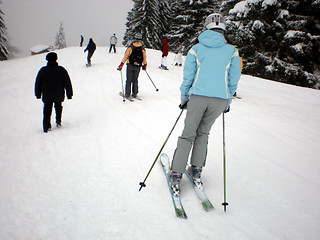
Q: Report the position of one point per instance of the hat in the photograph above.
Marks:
(215, 20)
(51, 57)
(138, 36)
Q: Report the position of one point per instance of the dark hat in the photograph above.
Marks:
(51, 57)
(138, 36)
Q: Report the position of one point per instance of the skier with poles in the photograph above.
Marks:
(207, 90)
(137, 58)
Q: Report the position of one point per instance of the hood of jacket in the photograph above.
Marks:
(212, 39)
(164, 41)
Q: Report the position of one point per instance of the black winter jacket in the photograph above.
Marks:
(51, 82)
(91, 47)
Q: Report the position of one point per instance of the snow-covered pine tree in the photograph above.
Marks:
(145, 18)
(4, 52)
(188, 21)
(166, 16)
(279, 40)
(129, 34)
(60, 38)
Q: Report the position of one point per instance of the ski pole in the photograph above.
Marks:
(143, 184)
(152, 81)
(122, 87)
(224, 204)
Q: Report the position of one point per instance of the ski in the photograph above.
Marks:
(163, 68)
(129, 98)
(206, 204)
(236, 97)
(138, 98)
(164, 160)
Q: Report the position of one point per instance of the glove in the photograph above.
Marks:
(184, 100)
(229, 101)
(144, 67)
(120, 66)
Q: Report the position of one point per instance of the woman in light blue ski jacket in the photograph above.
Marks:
(212, 67)
(211, 74)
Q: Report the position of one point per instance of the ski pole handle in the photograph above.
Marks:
(184, 106)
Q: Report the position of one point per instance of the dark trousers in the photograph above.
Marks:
(89, 57)
(47, 110)
(114, 48)
(132, 79)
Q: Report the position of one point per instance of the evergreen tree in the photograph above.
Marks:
(145, 18)
(166, 16)
(60, 38)
(4, 52)
(278, 40)
(188, 21)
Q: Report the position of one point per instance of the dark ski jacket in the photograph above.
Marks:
(91, 47)
(51, 83)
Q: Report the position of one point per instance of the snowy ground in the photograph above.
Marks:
(81, 182)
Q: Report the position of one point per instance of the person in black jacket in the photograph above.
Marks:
(51, 82)
(91, 47)
(81, 40)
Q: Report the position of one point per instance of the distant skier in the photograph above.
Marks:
(81, 40)
(113, 43)
(165, 52)
(210, 78)
(91, 47)
(137, 58)
(51, 83)
(178, 57)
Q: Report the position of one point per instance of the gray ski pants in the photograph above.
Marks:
(132, 79)
(201, 114)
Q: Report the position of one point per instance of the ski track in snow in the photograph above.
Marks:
(81, 181)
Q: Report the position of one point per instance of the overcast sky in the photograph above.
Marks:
(33, 22)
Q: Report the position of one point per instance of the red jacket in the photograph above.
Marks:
(165, 48)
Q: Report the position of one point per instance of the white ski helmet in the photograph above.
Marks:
(215, 20)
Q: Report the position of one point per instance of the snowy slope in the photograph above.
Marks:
(81, 181)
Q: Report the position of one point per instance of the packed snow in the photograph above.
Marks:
(81, 181)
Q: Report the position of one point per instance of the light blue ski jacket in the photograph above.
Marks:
(212, 67)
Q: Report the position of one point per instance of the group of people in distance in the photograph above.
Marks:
(91, 47)
(211, 73)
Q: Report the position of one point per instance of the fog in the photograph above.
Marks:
(33, 22)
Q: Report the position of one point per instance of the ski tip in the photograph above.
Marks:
(164, 158)
(164, 155)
